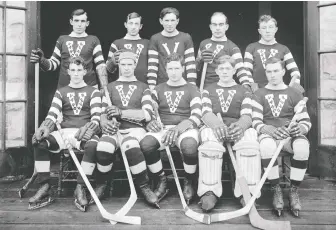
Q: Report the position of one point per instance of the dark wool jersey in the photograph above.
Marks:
(140, 48)
(129, 95)
(88, 48)
(220, 48)
(232, 102)
(178, 103)
(160, 47)
(78, 105)
(256, 55)
(276, 108)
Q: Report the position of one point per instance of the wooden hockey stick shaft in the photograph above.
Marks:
(205, 66)
(133, 197)
(103, 212)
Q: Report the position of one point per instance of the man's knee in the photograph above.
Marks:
(189, 147)
(301, 149)
(267, 147)
(149, 144)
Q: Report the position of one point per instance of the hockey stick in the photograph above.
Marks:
(205, 66)
(203, 218)
(255, 219)
(243, 211)
(133, 197)
(102, 210)
(24, 189)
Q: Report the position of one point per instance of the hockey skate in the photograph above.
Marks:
(80, 198)
(278, 203)
(188, 190)
(208, 201)
(100, 192)
(161, 188)
(149, 195)
(41, 198)
(294, 201)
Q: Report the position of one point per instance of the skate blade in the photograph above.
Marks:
(40, 205)
(157, 206)
(163, 195)
(91, 202)
(278, 212)
(295, 213)
(80, 207)
(22, 192)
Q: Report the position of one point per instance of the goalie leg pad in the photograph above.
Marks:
(210, 157)
(248, 160)
(207, 135)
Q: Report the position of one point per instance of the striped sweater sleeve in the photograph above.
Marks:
(97, 54)
(190, 62)
(246, 107)
(95, 106)
(56, 107)
(206, 103)
(55, 60)
(195, 107)
(257, 114)
(110, 66)
(303, 117)
(291, 64)
(241, 73)
(248, 62)
(153, 63)
(146, 104)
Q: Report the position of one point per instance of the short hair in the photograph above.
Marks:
(266, 18)
(175, 57)
(220, 13)
(77, 61)
(169, 10)
(225, 59)
(274, 60)
(78, 12)
(133, 15)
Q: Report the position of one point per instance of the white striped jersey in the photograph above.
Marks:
(78, 106)
(160, 47)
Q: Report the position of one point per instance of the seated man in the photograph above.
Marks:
(131, 106)
(81, 108)
(233, 102)
(273, 109)
(179, 106)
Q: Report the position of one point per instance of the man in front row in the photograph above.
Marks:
(233, 103)
(81, 108)
(273, 109)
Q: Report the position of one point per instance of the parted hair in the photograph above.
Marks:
(175, 57)
(274, 60)
(169, 10)
(77, 61)
(133, 15)
(225, 59)
(78, 12)
(266, 18)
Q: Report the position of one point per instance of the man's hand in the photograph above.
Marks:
(295, 130)
(153, 126)
(281, 133)
(221, 132)
(36, 55)
(41, 133)
(248, 87)
(207, 55)
(113, 111)
(109, 127)
(170, 137)
(235, 132)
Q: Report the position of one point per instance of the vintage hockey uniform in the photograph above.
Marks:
(160, 47)
(220, 48)
(87, 47)
(129, 95)
(256, 55)
(140, 48)
(78, 105)
(276, 108)
(177, 103)
(232, 102)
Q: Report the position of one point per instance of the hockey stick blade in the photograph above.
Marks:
(102, 210)
(25, 188)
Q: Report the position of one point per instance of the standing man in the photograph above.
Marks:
(218, 45)
(169, 41)
(257, 53)
(77, 43)
(273, 109)
(132, 41)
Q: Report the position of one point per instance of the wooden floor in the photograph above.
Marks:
(318, 199)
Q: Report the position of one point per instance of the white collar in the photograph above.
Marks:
(179, 83)
(261, 41)
(164, 33)
(222, 39)
(81, 85)
(230, 84)
(74, 35)
(127, 79)
(129, 37)
(281, 86)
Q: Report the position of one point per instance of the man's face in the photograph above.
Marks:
(274, 73)
(76, 73)
(127, 67)
(225, 72)
(169, 22)
(79, 23)
(174, 70)
(267, 30)
(133, 26)
(218, 26)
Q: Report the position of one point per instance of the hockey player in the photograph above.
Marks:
(77, 43)
(179, 107)
(273, 109)
(132, 41)
(257, 53)
(132, 105)
(162, 44)
(233, 102)
(81, 108)
(218, 45)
